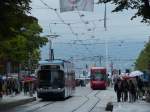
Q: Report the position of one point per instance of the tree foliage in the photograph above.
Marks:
(18, 48)
(19, 33)
(13, 17)
(142, 7)
(143, 61)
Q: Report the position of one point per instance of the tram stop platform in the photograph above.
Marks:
(11, 101)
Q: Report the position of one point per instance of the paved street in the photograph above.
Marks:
(84, 100)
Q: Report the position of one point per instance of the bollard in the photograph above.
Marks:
(109, 106)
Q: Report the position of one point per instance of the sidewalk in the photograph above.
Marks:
(110, 96)
(8, 102)
(138, 106)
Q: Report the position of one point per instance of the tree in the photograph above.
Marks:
(16, 50)
(34, 41)
(13, 17)
(19, 32)
(142, 7)
(143, 61)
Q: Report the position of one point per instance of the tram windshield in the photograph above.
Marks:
(51, 78)
(98, 76)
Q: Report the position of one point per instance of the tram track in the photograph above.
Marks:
(43, 106)
(96, 102)
(40, 107)
(86, 101)
(34, 107)
(37, 107)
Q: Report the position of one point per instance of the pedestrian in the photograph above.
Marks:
(31, 88)
(1, 88)
(8, 86)
(13, 84)
(132, 91)
(118, 89)
(140, 91)
(16, 86)
(26, 87)
(124, 86)
(4, 87)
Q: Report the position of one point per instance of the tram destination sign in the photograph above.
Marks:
(49, 67)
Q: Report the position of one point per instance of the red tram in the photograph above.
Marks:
(99, 78)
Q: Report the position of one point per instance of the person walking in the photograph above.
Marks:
(140, 91)
(118, 89)
(26, 87)
(1, 88)
(132, 91)
(125, 89)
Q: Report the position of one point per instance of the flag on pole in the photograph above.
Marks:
(79, 5)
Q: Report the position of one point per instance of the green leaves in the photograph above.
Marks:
(142, 7)
(17, 48)
(19, 33)
(32, 34)
(143, 61)
(13, 16)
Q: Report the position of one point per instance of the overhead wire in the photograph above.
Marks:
(59, 17)
(68, 24)
(62, 20)
(77, 22)
(123, 43)
(86, 26)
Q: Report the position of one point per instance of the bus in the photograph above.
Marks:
(56, 79)
(98, 78)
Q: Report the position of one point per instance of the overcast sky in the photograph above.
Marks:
(119, 24)
(119, 28)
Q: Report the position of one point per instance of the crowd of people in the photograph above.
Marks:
(9, 86)
(129, 89)
(13, 86)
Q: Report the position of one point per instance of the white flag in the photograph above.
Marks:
(79, 5)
